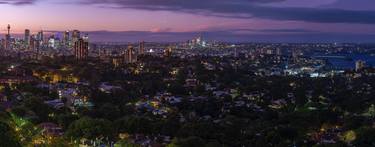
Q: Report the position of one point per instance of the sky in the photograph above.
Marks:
(180, 20)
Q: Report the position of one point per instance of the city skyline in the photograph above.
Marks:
(242, 21)
(187, 73)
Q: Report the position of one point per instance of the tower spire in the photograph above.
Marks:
(8, 29)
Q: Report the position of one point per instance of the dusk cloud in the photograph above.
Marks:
(17, 2)
(246, 9)
(341, 11)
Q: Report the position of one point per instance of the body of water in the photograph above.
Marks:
(346, 61)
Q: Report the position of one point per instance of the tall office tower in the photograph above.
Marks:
(27, 38)
(40, 38)
(168, 52)
(296, 53)
(141, 48)
(33, 42)
(279, 51)
(102, 54)
(7, 38)
(81, 48)
(34, 45)
(66, 38)
(129, 55)
(359, 65)
(8, 29)
(76, 35)
(2, 44)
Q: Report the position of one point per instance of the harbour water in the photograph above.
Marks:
(347, 61)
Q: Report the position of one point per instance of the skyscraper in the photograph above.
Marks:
(8, 29)
(168, 52)
(81, 48)
(34, 43)
(129, 55)
(40, 37)
(27, 38)
(66, 38)
(359, 65)
(7, 38)
(76, 35)
(141, 48)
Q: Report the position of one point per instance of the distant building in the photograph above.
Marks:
(279, 52)
(359, 65)
(7, 41)
(76, 35)
(66, 38)
(34, 44)
(168, 52)
(198, 42)
(129, 55)
(27, 38)
(141, 48)
(40, 38)
(51, 129)
(117, 61)
(81, 48)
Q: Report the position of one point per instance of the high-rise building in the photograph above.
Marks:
(8, 29)
(40, 37)
(129, 55)
(359, 65)
(279, 51)
(66, 38)
(168, 52)
(76, 35)
(7, 41)
(27, 38)
(81, 48)
(141, 48)
(34, 43)
(2, 44)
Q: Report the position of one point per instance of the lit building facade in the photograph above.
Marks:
(130, 55)
(81, 49)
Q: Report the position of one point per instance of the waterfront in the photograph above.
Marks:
(346, 61)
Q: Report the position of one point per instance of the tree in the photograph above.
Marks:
(65, 119)
(213, 143)
(89, 128)
(365, 137)
(124, 143)
(109, 111)
(37, 105)
(7, 136)
(348, 136)
(133, 124)
(192, 141)
(58, 142)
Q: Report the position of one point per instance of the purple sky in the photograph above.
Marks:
(176, 20)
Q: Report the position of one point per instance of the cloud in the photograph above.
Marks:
(353, 5)
(245, 9)
(341, 11)
(161, 29)
(17, 2)
(294, 30)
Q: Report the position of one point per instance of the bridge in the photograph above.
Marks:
(337, 57)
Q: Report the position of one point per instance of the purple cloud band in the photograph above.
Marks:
(243, 9)
(17, 2)
(246, 9)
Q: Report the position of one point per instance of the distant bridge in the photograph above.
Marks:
(337, 57)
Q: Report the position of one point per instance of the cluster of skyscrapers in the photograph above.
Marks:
(57, 40)
(72, 42)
